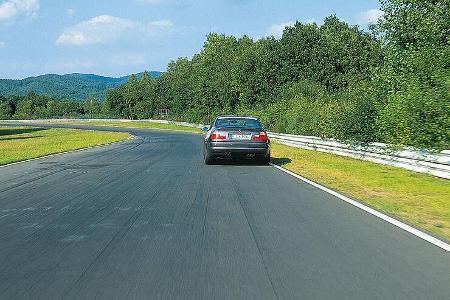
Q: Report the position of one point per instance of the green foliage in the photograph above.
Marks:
(286, 82)
(134, 99)
(33, 106)
(26, 107)
(334, 54)
(114, 103)
(91, 107)
(418, 115)
(6, 108)
(332, 80)
(414, 82)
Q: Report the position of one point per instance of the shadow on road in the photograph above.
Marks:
(281, 161)
(238, 162)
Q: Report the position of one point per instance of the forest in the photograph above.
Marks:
(34, 106)
(389, 84)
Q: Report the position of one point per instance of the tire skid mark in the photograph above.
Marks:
(104, 251)
(74, 208)
(69, 232)
(129, 225)
(76, 197)
(93, 186)
(238, 191)
(88, 219)
(84, 161)
(155, 223)
(88, 154)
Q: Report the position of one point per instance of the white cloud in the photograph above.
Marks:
(106, 29)
(370, 17)
(10, 10)
(276, 30)
(2, 44)
(71, 11)
(100, 29)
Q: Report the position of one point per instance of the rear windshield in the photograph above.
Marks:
(238, 123)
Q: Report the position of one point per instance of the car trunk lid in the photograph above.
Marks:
(242, 134)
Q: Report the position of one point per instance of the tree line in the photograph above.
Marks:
(34, 106)
(391, 84)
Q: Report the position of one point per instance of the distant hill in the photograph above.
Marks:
(74, 86)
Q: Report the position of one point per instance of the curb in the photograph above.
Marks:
(435, 241)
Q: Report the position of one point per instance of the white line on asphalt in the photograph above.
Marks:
(412, 230)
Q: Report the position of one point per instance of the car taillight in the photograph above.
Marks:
(216, 136)
(262, 136)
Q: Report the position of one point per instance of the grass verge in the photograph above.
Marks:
(419, 199)
(136, 124)
(22, 143)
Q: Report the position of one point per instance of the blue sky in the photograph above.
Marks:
(116, 37)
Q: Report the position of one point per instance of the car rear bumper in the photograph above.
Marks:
(237, 149)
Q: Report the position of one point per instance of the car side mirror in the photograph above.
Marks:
(205, 129)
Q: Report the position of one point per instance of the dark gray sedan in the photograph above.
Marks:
(236, 137)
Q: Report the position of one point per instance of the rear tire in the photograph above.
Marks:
(265, 160)
(207, 157)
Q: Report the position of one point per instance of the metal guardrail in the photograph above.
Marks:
(422, 161)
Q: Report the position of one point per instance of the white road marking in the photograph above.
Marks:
(412, 230)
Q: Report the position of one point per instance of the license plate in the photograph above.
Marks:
(241, 137)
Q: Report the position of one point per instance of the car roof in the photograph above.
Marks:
(237, 117)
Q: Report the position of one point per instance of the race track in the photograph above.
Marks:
(146, 219)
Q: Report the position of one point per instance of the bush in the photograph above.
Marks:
(417, 116)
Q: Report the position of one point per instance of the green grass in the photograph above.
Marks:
(22, 143)
(136, 124)
(419, 199)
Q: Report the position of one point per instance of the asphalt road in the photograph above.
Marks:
(146, 219)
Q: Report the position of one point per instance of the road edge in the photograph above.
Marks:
(418, 233)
